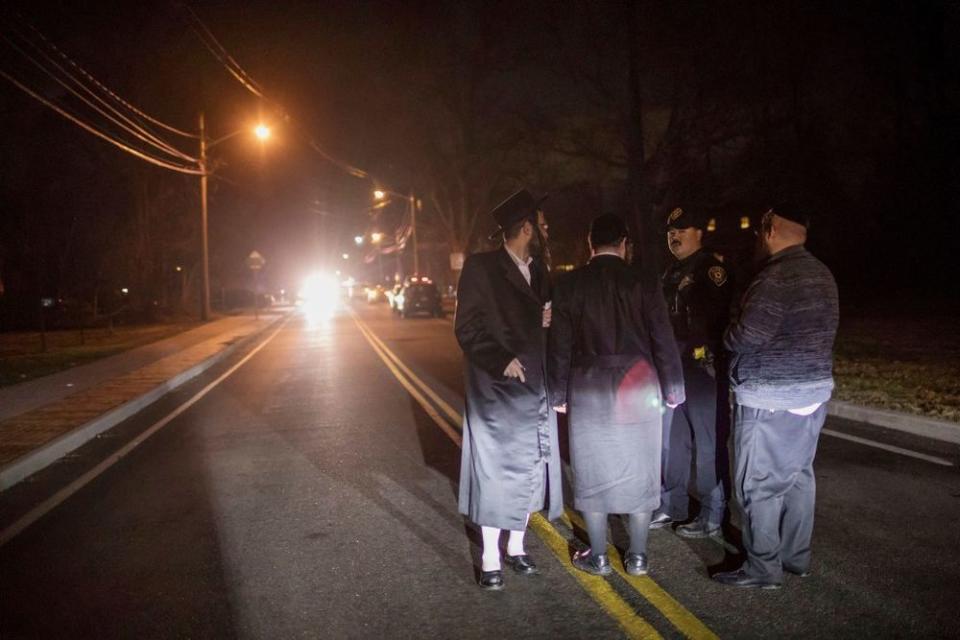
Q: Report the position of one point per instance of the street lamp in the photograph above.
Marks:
(380, 194)
(262, 132)
(376, 238)
(358, 240)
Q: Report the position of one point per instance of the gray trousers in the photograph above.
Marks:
(692, 433)
(775, 487)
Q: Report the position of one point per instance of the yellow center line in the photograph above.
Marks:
(635, 626)
(687, 623)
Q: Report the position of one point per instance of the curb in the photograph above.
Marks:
(36, 460)
(918, 425)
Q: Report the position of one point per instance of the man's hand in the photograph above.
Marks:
(561, 409)
(515, 370)
(547, 315)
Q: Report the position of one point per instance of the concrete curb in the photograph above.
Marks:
(38, 459)
(917, 425)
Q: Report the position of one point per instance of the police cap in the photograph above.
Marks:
(684, 218)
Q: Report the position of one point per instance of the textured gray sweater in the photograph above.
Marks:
(782, 343)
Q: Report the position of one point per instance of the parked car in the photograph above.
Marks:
(420, 295)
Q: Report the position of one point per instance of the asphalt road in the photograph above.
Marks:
(312, 494)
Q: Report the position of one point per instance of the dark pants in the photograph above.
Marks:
(692, 432)
(775, 487)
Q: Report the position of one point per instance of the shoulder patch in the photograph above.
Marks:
(718, 274)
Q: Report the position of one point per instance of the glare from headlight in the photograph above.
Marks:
(321, 297)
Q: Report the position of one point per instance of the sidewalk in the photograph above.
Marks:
(44, 419)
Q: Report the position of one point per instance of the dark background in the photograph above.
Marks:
(626, 107)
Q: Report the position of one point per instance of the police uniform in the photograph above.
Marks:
(697, 291)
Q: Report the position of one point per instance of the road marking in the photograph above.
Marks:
(431, 411)
(450, 411)
(687, 623)
(596, 586)
(63, 494)
(888, 447)
(634, 625)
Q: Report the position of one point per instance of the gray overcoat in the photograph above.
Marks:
(510, 453)
(612, 355)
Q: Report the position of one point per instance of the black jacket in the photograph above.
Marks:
(508, 425)
(697, 291)
(604, 315)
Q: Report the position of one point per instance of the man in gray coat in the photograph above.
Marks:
(781, 373)
(510, 460)
(613, 363)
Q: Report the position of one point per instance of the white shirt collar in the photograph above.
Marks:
(606, 253)
(516, 258)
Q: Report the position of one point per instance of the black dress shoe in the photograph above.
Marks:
(635, 563)
(598, 565)
(523, 565)
(800, 573)
(492, 580)
(739, 578)
(698, 529)
(660, 520)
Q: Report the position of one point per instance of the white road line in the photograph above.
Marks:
(59, 497)
(889, 447)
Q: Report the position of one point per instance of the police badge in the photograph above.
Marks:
(718, 274)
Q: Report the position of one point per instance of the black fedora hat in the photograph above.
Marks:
(520, 206)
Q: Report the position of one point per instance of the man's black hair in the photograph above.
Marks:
(607, 230)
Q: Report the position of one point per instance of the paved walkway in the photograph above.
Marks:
(37, 413)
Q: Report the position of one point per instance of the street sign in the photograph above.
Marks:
(256, 261)
(456, 261)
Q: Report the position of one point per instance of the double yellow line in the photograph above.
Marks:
(599, 588)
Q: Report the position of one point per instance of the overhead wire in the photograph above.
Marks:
(104, 88)
(127, 124)
(91, 129)
(233, 67)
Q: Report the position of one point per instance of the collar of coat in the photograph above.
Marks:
(513, 275)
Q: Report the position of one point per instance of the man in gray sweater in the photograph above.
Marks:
(781, 373)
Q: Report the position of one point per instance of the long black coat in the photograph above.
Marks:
(612, 357)
(508, 425)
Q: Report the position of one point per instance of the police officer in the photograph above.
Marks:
(697, 290)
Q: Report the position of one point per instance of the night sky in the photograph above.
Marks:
(855, 107)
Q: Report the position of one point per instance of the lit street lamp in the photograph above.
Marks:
(262, 132)
(358, 240)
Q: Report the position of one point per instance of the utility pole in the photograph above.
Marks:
(204, 248)
(413, 226)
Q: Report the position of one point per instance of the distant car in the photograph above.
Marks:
(376, 294)
(420, 295)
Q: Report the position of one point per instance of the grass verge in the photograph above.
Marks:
(21, 357)
(909, 364)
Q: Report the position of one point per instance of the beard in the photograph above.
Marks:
(539, 248)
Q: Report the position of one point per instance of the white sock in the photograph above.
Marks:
(515, 541)
(490, 560)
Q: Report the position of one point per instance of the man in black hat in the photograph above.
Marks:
(697, 290)
(612, 357)
(782, 376)
(510, 460)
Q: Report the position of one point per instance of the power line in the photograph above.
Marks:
(130, 126)
(220, 53)
(234, 68)
(90, 128)
(103, 88)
